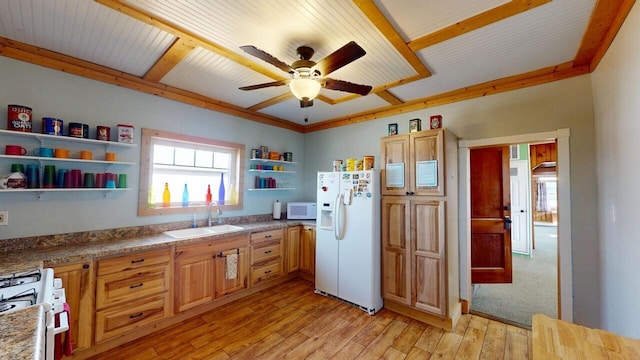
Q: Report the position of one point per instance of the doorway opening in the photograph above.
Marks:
(533, 206)
(536, 248)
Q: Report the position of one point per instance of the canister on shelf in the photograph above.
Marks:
(367, 162)
(336, 165)
(256, 153)
(125, 133)
(264, 152)
(79, 130)
(19, 118)
(357, 165)
(288, 156)
(351, 166)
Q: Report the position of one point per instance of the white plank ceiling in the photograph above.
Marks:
(544, 36)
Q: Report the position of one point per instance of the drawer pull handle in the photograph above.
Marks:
(85, 266)
(137, 261)
(267, 236)
(268, 252)
(136, 315)
(267, 272)
(136, 286)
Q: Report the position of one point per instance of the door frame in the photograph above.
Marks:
(565, 275)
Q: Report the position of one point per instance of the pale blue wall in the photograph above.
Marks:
(616, 93)
(76, 99)
(557, 105)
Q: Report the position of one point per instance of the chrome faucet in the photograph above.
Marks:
(218, 216)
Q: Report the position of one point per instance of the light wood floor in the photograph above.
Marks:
(290, 321)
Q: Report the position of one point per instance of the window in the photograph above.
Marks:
(198, 163)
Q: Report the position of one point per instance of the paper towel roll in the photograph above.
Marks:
(277, 209)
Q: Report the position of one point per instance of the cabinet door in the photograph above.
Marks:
(194, 281)
(308, 250)
(426, 147)
(396, 267)
(395, 151)
(78, 280)
(293, 249)
(428, 245)
(231, 277)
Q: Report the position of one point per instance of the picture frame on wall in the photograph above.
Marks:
(393, 129)
(415, 125)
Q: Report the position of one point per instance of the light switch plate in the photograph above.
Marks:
(4, 217)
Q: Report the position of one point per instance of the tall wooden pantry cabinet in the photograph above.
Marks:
(419, 173)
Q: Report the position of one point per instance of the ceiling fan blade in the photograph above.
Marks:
(252, 50)
(339, 58)
(265, 85)
(340, 85)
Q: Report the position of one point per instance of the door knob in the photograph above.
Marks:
(507, 223)
(507, 207)
(521, 211)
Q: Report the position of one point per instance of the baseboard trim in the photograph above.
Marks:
(446, 323)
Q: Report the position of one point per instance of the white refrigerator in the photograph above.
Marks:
(348, 238)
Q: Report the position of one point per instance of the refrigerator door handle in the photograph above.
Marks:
(339, 217)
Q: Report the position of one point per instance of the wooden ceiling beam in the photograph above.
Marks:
(370, 10)
(274, 100)
(606, 20)
(475, 22)
(56, 61)
(189, 38)
(176, 53)
(389, 97)
(542, 76)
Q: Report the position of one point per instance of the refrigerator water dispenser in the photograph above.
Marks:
(326, 216)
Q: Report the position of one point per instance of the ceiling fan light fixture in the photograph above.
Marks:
(304, 88)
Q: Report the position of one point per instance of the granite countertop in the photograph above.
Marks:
(22, 334)
(69, 253)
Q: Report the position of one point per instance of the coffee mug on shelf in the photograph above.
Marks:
(43, 152)
(86, 155)
(110, 156)
(17, 168)
(122, 181)
(15, 150)
(61, 153)
(60, 177)
(110, 184)
(33, 176)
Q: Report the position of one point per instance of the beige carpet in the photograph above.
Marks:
(534, 287)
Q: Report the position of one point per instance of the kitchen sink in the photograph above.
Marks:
(204, 231)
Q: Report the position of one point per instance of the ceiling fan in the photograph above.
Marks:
(307, 76)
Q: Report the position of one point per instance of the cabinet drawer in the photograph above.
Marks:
(266, 236)
(133, 261)
(130, 316)
(266, 251)
(268, 271)
(130, 285)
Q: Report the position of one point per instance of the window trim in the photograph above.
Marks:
(146, 170)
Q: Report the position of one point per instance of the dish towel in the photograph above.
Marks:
(63, 345)
(232, 266)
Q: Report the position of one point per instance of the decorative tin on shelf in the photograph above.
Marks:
(435, 122)
(393, 129)
(415, 125)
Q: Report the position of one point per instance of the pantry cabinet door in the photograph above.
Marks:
(428, 245)
(396, 267)
(394, 165)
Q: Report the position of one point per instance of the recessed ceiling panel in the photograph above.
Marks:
(217, 77)
(516, 45)
(85, 30)
(414, 19)
(279, 27)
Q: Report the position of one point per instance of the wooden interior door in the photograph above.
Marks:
(490, 215)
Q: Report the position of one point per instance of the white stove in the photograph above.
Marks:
(32, 288)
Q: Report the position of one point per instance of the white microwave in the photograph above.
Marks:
(301, 210)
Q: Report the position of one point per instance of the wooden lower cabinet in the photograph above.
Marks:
(308, 250)
(200, 271)
(267, 260)
(414, 259)
(78, 279)
(132, 291)
(293, 249)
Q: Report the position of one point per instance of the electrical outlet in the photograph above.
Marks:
(4, 217)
